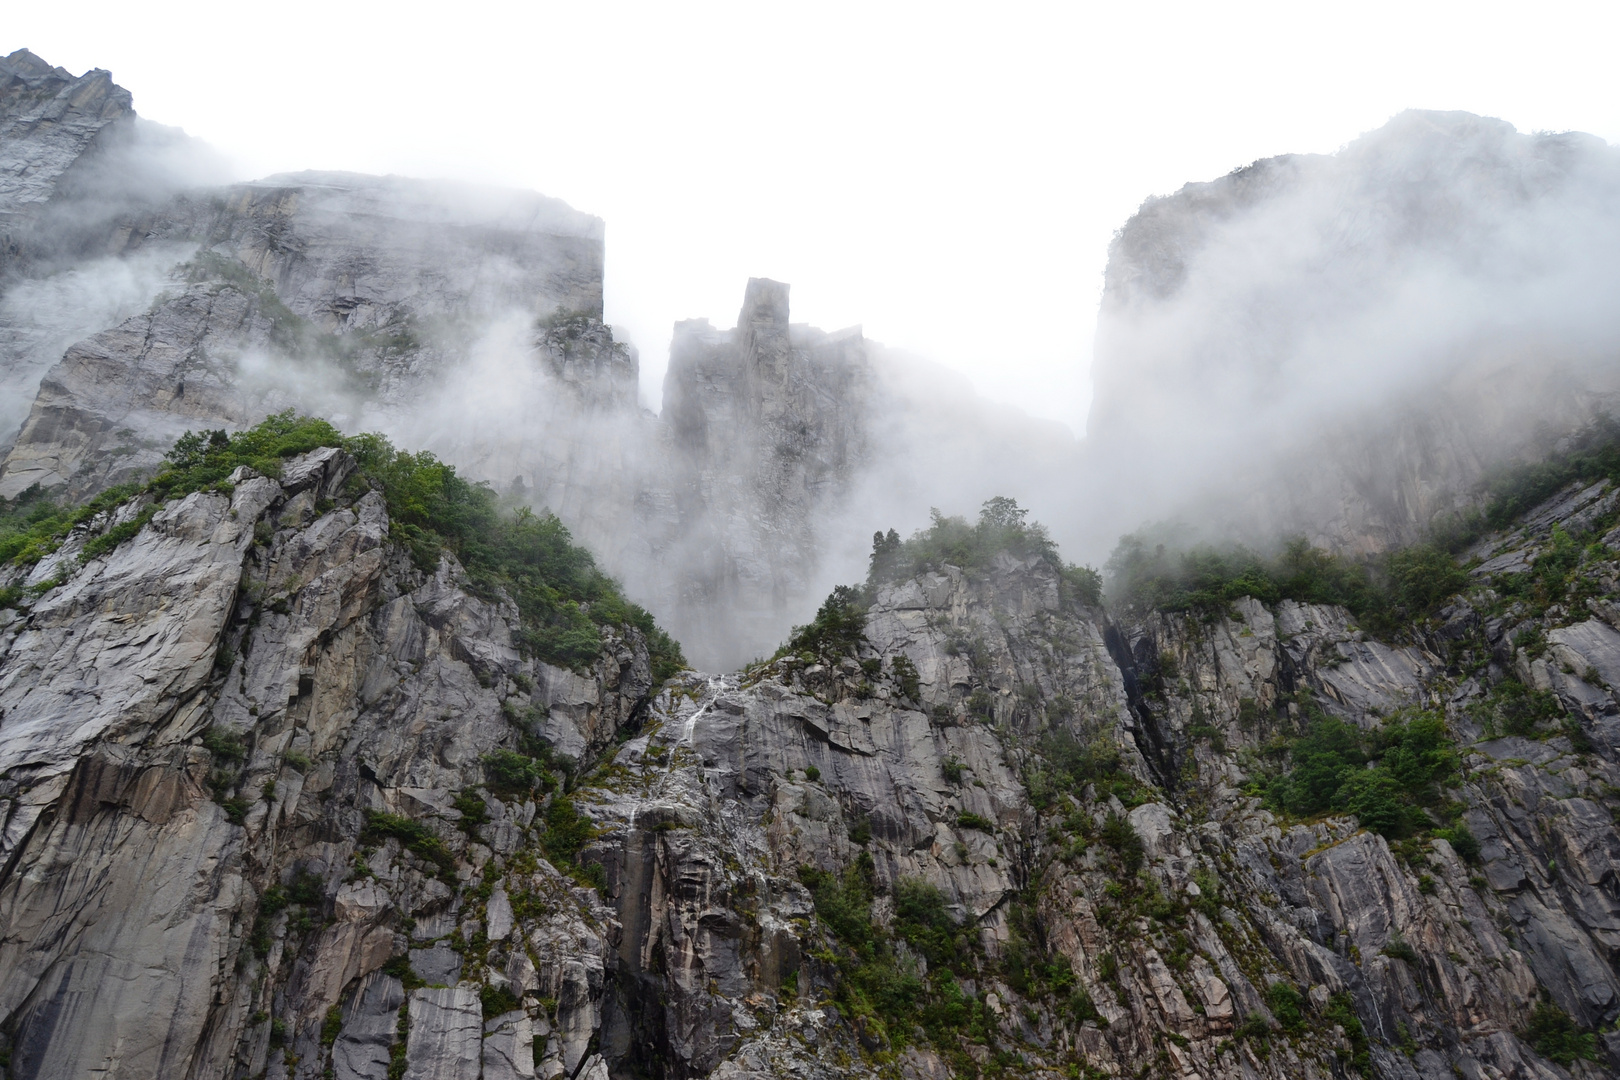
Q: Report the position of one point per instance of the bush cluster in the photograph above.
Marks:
(32, 526)
(1383, 593)
(1512, 708)
(1555, 1036)
(1554, 577)
(954, 541)
(414, 836)
(1065, 765)
(563, 597)
(1387, 777)
(837, 631)
(880, 987)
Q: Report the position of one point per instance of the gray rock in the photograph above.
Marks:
(509, 1048)
(363, 1050)
(446, 1035)
(437, 966)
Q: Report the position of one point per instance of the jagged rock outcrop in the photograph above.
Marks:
(764, 431)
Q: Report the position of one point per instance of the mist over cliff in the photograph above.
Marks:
(318, 760)
(1342, 345)
(1338, 346)
(466, 321)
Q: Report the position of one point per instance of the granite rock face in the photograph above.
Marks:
(202, 727)
(250, 820)
(145, 927)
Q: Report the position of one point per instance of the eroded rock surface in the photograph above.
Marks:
(171, 906)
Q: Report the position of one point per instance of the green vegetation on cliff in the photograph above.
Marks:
(953, 541)
(1384, 594)
(564, 599)
(1557, 1037)
(838, 628)
(1387, 592)
(1392, 778)
(32, 526)
(1511, 491)
(889, 996)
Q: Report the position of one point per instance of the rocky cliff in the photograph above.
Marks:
(279, 802)
(465, 320)
(291, 785)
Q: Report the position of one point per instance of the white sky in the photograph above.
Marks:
(949, 176)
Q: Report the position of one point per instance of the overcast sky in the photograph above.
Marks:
(948, 176)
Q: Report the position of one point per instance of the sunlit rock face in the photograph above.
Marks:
(1340, 345)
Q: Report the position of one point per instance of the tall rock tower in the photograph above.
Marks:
(764, 428)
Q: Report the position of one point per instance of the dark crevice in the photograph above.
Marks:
(1150, 741)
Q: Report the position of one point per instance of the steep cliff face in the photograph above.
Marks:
(281, 797)
(202, 727)
(271, 808)
(1342, 345)
(49, 121)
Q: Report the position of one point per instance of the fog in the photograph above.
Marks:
(947, 177)
(1340, 345)
(1336, 345)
